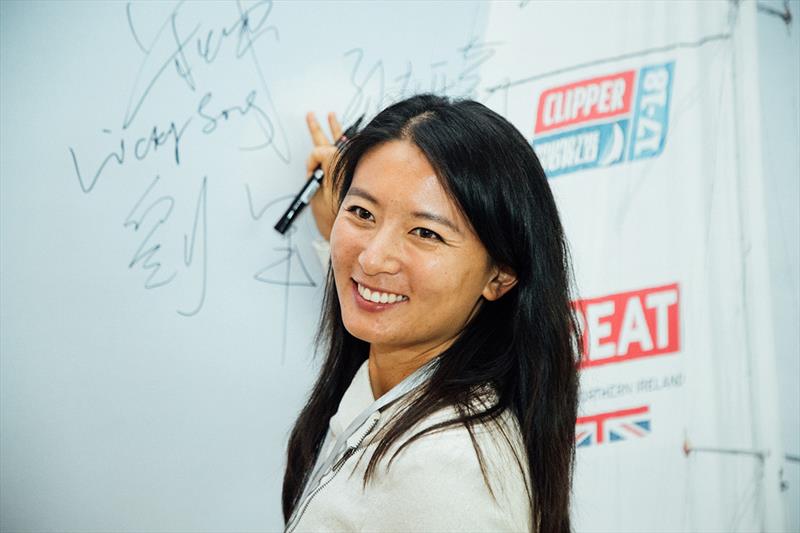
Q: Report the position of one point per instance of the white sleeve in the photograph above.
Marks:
(435, 484)
(323, 249)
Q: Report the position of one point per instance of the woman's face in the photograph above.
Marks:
(409, 271)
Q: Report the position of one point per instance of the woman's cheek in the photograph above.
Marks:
(334, 234)
(431, 272)
(343, 243)
(336, 239)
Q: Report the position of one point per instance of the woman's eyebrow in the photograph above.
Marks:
(355, 191)
(436, 218)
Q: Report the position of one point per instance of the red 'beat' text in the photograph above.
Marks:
(630, 325)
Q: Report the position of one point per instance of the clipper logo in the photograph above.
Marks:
(629, 325)
(603, 121)
(612, 426)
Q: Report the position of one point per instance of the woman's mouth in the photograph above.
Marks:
(379, 297)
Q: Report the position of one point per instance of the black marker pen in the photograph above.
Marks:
(314, 181)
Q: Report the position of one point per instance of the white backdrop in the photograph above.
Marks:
(156, 331)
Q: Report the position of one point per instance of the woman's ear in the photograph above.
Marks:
(502, 280)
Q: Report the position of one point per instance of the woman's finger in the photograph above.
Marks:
(317, 135)
(336, 128)
(320, 155)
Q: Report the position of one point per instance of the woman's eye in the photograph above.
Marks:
(360, 212)
(427, 234)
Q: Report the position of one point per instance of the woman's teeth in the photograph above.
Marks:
(380, 297)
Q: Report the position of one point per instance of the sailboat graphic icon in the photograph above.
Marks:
(614, 150)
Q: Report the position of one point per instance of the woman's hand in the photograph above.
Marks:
(323, 203)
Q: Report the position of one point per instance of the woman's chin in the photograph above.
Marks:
(362, 333)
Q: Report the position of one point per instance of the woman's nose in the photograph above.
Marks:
(380, 254)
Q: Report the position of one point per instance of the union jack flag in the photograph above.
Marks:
(612, 426)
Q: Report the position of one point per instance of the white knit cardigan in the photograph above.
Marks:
(434, 483)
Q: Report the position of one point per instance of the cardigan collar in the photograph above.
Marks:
(359, 397)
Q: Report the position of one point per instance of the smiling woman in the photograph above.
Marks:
(435, 274)
(451, 342)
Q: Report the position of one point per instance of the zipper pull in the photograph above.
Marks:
(356, 439)
(345, 456)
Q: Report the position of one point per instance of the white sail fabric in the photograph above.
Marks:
(645, 119)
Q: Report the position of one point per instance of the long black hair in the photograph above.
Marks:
(525, 344)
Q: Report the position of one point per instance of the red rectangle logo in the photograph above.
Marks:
(585, 101)
(630, 325)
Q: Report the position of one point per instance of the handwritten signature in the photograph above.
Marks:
(371, 92)
(177, 46)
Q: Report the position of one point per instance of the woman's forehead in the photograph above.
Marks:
(398, 174)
